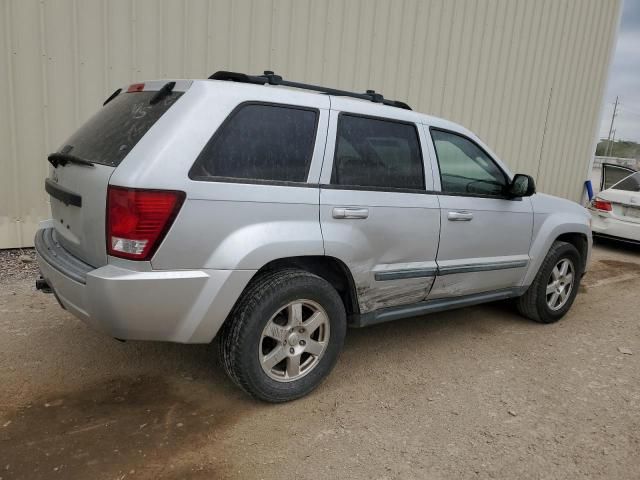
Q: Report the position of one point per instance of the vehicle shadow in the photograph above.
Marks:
(615, 246)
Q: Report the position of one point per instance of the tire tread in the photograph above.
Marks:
(528, 304)
(235, 330)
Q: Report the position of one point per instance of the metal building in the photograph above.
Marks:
(527, 76)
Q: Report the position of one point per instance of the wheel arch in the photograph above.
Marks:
(574, 232)
(331, 269)
(578, 240)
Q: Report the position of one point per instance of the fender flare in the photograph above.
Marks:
(553, 227)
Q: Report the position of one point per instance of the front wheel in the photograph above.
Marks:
(555, 287)
(284, 335)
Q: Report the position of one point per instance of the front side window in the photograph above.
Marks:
(465, 168)
(629, 184)
(377, 153)
(260, 142)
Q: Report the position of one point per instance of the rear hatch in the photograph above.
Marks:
(81, 168)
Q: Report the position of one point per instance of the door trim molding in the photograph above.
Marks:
(406, 273)
(482, 267)
(450, 270)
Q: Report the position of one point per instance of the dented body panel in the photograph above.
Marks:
(400, 232)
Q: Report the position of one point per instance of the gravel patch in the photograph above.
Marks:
(477, 393)
(17, 265)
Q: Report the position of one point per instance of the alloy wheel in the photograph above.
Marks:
(560, 284)
(294, 340)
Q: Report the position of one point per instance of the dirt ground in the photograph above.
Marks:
(473, 393)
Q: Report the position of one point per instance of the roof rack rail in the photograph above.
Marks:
(270, 78)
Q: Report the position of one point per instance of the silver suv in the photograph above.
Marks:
(272, 214)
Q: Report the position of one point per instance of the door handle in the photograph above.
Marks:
(346, 212)
(460, 216)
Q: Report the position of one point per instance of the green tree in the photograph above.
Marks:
(619, 148)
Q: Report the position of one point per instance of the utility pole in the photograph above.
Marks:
(613, 117)
(613, 138)
(613, 141)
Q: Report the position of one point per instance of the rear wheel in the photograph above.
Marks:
(555, 287)
(284, 335)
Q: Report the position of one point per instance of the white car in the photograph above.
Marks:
(615, 210)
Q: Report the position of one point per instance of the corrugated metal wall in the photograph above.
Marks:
(526, 75)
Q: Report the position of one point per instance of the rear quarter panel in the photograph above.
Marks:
(227, 225)
(245, 228)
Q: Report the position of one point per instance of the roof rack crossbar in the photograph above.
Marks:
(271, 78)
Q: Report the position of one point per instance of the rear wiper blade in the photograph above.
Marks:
(58, 158)
(112, 96)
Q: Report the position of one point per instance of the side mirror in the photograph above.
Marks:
(521, 186)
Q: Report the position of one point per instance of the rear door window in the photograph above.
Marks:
(108, 136)
(377, 153)
(612, 174)
(629, 184)
(260, 142)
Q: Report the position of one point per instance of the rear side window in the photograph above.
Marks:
(108, 136)
(377, 153)
(260, 142)
(630, 184)
(613, 174)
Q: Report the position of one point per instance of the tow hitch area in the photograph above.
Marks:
(43, 285)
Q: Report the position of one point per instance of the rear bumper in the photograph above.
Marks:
(185, 306)
(606, 226)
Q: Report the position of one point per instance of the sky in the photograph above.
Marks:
(624, 79)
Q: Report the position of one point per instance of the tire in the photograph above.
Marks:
(535, 303)
(266, 311)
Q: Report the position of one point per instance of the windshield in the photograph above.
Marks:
(629, 184)
(109, 135)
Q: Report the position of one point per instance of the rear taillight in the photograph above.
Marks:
(137, 220)
(602, 205)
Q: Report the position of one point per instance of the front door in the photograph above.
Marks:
(375, 212)
(485, 237)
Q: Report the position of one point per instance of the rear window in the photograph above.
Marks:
(260, 142)
(108, 136)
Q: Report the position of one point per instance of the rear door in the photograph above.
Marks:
(81, 168)
(375, 211)
(485, 237)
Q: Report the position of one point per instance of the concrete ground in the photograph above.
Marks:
(473, 393)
